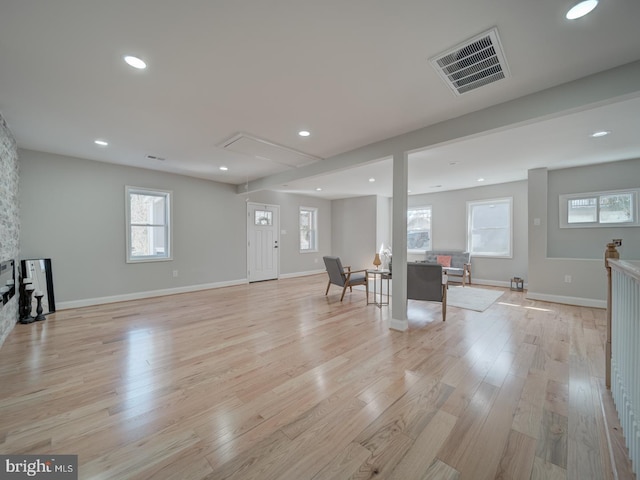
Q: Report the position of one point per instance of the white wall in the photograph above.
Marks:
(72, 210)
(449, 228)
(354, 231)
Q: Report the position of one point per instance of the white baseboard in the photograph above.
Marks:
(88, 302)
(579, 301)
(301, 274)
(399, 325)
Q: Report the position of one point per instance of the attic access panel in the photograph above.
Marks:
(268, 151)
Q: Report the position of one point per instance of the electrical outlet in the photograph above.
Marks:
(175, 273)
(617, 242)
(567, 279)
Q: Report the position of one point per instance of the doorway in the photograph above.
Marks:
(263, 249)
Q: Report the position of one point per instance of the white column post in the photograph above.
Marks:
(399, 240)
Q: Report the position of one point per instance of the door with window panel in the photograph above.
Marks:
(262, 242)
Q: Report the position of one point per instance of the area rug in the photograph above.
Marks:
(472, 298)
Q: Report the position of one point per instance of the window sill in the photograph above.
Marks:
(149, 259)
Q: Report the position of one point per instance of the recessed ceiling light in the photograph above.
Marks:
(102, 143)
(581, 9)
(372, 179)
(601, 133)
(135, 62)
(304, 133)
(318, 189)
(481, 179)
(223, 168)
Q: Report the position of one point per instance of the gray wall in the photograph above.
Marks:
(9, 220)
(548, 274)
(383, 222)
(556, 253)
(72, 211)
(292, 262)
(354, 230)
(449, 228)
(590, 242)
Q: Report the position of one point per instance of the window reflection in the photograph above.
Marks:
(138, 379)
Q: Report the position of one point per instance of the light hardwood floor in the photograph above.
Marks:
(274, 380)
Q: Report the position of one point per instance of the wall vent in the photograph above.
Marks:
(473, 64)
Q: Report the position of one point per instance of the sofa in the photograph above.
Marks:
(459, 266)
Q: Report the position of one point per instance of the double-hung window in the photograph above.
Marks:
(148, 214)
(489, 227)
(599, 209)
(419, 229)
(308, 229)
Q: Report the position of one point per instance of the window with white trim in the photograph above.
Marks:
(308, 229)
(490, 227)
(419, 229)
(148, 215)
(617, 208)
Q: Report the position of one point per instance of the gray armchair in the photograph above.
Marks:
(425, 282)
(343, 276)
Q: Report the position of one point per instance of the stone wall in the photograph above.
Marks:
(9, 219)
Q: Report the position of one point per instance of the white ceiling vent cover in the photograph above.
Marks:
(473, 64)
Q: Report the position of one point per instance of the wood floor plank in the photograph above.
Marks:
(528, 414)
(518, 456)
(275, 380)
(427, 444)
(465, 433)
(552, 440)
(345, 464)
(483, 460)
(547, 471)
(584, 454)
(441, 471)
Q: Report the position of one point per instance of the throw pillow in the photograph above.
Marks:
(444, 260)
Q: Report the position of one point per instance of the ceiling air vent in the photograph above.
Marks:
(473, 64)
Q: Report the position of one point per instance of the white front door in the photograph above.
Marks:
(263, 227)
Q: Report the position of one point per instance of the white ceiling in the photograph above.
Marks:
(352, 73)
